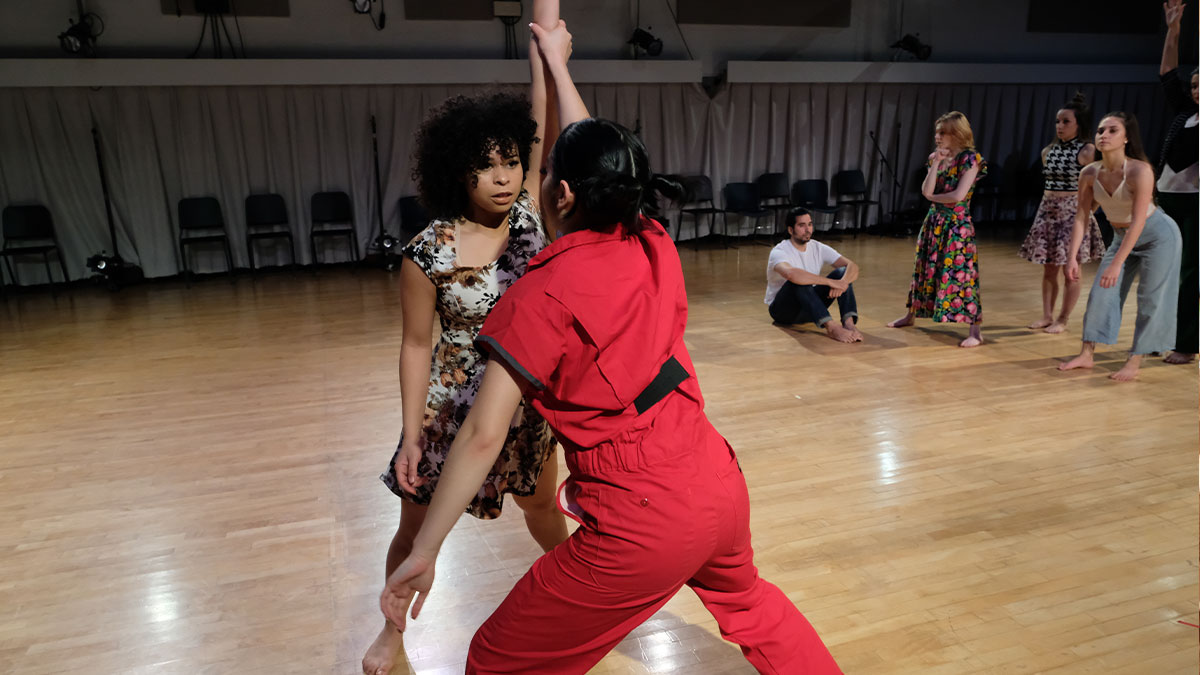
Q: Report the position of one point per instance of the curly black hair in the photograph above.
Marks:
(456, 139)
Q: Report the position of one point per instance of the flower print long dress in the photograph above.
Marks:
(945, 283)
(465, 296)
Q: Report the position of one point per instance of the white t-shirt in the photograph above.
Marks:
(814, 257)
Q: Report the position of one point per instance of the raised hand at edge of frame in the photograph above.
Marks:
(1173, 13)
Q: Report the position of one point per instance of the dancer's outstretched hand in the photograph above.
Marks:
(413, 576)
(555, 45)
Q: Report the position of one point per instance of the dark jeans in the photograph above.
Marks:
(802, 304)
(1183, 208)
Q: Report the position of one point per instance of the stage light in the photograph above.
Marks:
(386, 242)
(646, 42)
(81, 35)
(913, 45)
(101, 263)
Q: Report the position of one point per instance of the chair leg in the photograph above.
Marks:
(49, 276)
(62, 266)
(228, 258)
(292, 248)
(12, 274)
(316, 255)
(187, 272)
(250, 254)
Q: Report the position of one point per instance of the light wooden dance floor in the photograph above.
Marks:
(189, 483)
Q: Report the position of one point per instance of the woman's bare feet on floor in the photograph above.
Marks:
(906, 320)
(1129, 371)
(1041, 323)
(381, 655)
(1179, 357)
(1084, 360)
(1058, 326)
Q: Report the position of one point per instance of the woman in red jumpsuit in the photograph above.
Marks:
(592, 337)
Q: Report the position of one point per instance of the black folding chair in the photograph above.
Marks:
(698, 202)
(851, 189)
(29, 230)
(332, 218)
(773, 194)
(413, 218)
(813, 194)
(741, 199)
(201, 222)
(267, 219)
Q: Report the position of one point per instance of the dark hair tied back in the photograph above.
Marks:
(1083, 115)
(608, 170)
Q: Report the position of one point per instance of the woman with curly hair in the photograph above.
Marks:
(477, 168)
(1050, 236)
(945, 283)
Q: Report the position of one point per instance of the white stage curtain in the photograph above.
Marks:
(162, 144)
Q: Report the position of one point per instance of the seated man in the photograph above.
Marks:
(796, 291)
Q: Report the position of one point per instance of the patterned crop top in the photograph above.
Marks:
(1061, 168)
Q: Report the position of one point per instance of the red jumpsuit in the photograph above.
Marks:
(660, 497)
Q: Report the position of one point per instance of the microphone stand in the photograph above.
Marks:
(113, 267)
(385, 242)
(896, 187)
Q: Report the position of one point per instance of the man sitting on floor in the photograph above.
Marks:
(796, 291)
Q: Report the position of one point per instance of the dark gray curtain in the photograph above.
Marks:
(162, 144)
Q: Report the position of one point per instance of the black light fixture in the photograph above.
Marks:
(81, 35)
(646, 42)
(913, 45)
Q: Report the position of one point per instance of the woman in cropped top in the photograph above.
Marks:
(1146, 244)
(1179, 182)
(1050, 236)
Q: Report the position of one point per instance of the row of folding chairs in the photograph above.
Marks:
(28, 229)
(770, 195)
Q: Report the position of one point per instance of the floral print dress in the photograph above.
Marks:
(465, 296)
(945, 283)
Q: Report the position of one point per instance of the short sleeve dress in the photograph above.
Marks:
(465, 296)
(945, 283)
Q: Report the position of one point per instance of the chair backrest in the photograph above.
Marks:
(331, 207)
(741, 197)
(266, 209)
(697, 188)
(413, 217)
(810, 192)
(200, 213)
(29, 221)
(772, 186)
(850, 182)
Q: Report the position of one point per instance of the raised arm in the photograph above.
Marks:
(1173, 13)
(555, 46)
(1143, 191)
(468, 461)
(542, 101)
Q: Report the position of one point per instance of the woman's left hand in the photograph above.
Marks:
(554, 44)
(413, 576)
(1110, 275)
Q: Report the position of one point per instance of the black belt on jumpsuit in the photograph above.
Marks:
(671, 375)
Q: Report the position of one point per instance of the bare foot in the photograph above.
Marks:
(971, 341)
(1179, 357)
(381, 655)
(849, 325)
(1041, 323)
(906, 320)
(838, 333)
(1059, 326)
(1129, 371)
(1081, 361)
